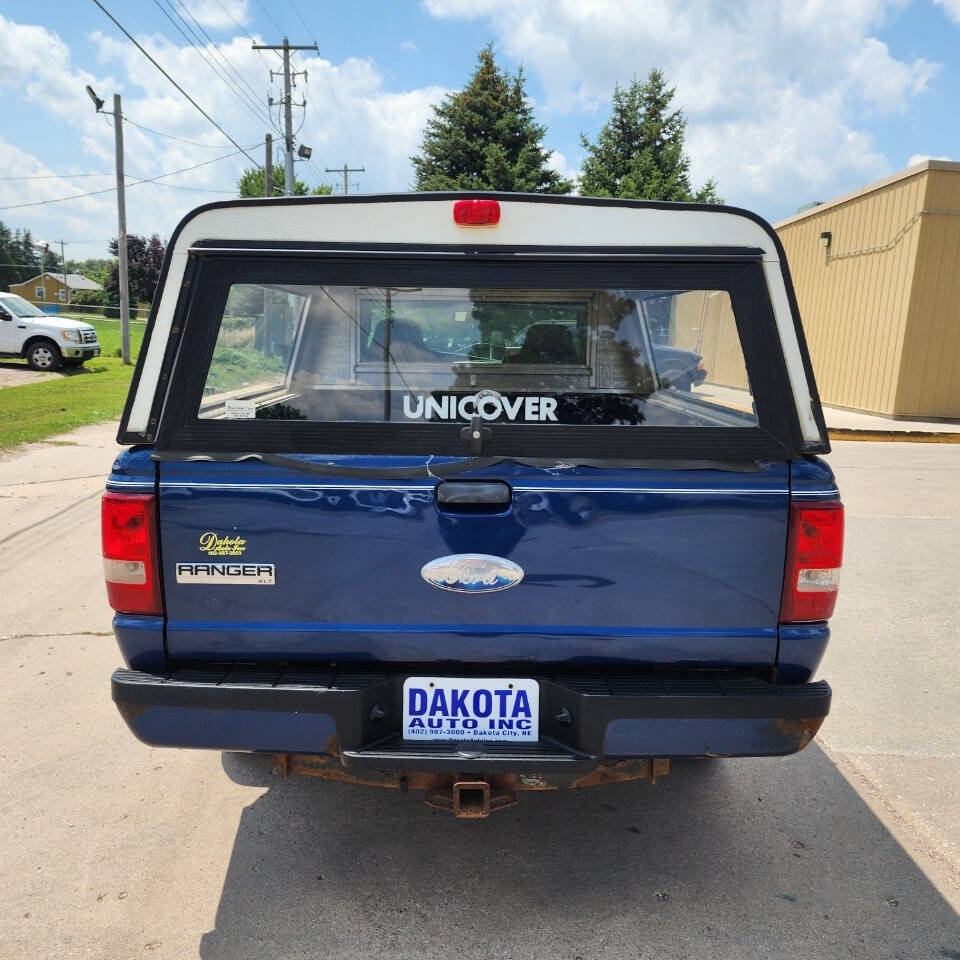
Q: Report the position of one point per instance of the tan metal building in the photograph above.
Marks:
(877, 276)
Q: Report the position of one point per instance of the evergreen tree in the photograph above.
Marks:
(8, 261)
(29, 255)
(19, 260)
(639, 153)
(485, 137)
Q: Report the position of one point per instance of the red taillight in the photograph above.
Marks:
(129, 532)
(476, 213)
(814, 557)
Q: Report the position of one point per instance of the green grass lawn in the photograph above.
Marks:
(94, 392)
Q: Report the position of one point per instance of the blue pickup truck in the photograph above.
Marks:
(408, 498)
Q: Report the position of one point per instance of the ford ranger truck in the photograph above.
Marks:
(408, 497)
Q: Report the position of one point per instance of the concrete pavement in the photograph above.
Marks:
(850, 849)
(847, 424)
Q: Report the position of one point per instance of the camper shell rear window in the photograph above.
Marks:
(394, 353)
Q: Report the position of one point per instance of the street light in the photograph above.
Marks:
(97, 102)
(304, 152)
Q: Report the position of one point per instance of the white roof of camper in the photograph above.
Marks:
(524, 222)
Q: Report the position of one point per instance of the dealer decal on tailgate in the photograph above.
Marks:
(458, 708)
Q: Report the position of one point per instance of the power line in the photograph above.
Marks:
(240, 27)
(253, 97)
(193, 42)
(60, 176)
(270, 16)
(176, 186)
(237, 23)
(326, 76)
(304, 22)
(336, 103)
(216, 49)
(130, 37)
(93, 193)
(196, 44)
(170, 136)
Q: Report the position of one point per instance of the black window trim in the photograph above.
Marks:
(777, 437)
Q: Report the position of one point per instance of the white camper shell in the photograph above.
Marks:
(564, 253)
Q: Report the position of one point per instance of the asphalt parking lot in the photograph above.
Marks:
(850, 849)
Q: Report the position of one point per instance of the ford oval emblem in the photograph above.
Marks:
(472, 573)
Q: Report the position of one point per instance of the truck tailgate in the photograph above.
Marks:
(646, 566)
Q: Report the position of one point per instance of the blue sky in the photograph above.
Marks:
(787, 103)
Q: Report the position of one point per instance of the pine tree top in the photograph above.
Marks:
(639, 152)
(485, 137)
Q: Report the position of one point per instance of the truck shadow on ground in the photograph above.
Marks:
(746, 858)
(21, 366)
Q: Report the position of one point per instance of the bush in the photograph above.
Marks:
(111, 312)
(92, 298)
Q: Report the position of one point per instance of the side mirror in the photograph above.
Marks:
(4, 315)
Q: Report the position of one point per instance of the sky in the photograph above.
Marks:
(787, 102)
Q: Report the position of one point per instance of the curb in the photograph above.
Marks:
(901, 436)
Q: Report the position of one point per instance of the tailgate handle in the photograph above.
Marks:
(467, 493)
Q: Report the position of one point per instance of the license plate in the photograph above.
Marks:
(470, 708)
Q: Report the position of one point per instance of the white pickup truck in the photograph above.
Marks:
(45, 341)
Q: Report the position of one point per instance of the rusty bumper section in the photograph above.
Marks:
(467, 796)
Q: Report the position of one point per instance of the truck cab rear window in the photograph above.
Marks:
(409, 354)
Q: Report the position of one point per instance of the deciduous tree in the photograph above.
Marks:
(252, 180)
(144, 260)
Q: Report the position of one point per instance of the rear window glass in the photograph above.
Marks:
(341, 354)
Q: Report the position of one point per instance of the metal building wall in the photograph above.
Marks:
(881, 305)
(929, 384)
(854, 296)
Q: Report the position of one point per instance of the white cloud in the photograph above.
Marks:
(408, 46)
(777, 94)
(557, 161)
(951, 8)
(220, 14)
(921, 157)
(74, 218)
(365, 124)
(778, 99)
(885, 82)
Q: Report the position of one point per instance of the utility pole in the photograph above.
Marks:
(121, 223)
(122, 238)
(287, 120)
(287, 101)
(268, 167)
(345, 170)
